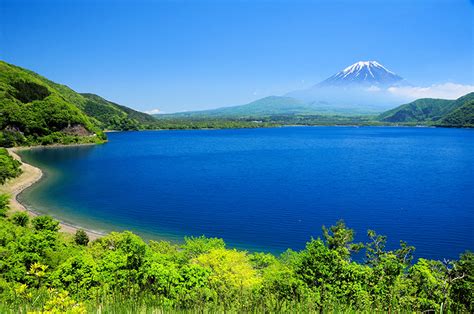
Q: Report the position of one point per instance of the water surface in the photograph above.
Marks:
(269, 189)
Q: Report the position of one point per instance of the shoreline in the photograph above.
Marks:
(30, 176)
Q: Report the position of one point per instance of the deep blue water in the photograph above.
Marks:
(269, 189)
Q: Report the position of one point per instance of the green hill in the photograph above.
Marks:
(272, 106)
(441, 112)
(460, 117)
(113, 116)
(35, 110)
(425, 109)
(266, 106)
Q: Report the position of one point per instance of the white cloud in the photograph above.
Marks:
(153, 111)
(373, 88)
(446, 91)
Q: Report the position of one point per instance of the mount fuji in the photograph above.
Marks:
(361, 88)
(364, 73)
(363, 85)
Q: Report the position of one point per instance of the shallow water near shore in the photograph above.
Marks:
(268, 189)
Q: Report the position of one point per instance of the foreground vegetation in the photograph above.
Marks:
(9, 167)
(49, 272)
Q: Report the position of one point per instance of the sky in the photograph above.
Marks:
(171, 56)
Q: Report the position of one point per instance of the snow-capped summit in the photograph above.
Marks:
(363, 73)
(362, 84)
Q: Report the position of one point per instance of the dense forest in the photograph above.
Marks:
(34, 110)
(112, 116)
(37, 111)
(435, 112)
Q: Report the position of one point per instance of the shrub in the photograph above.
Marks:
(42, 223)
(20, 219)
(81, 237)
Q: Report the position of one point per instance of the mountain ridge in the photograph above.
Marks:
(441, 112)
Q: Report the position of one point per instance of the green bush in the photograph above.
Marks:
(121, 273)
(20, 219)
(9, 167)
(45, 223)
(81, 237)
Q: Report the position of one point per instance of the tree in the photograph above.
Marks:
(231, 276)
(339, 238)
(81, 237)
(194, 246)
(42, 223)
(4, 202)
(462, 291)
(9, 167)
(20, 219)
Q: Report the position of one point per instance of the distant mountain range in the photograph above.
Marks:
(361, 88)
(286, 110)
(274, 105)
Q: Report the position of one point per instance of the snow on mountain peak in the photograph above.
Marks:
(363, 72)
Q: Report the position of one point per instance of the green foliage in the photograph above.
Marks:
(339, 238)
(195, 246)
(43, 271)
(4, 204)
(420, 110)
(29, 91)
(461, 117)
(112, 116)
(81, 237)
(20, 219)
(45, 223)
(34, 110)
(9, 167)
(439, 112)
(463, 283)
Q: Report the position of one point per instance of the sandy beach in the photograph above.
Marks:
(30, 176)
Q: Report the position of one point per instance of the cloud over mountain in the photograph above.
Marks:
(445, 90)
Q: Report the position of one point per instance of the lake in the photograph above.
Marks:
(268, 189)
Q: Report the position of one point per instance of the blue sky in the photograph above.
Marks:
(187, 55)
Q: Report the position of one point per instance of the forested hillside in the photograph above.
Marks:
(420, 110)
(440, 112)
(112, 116)
(461, 117)
(35, 110)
